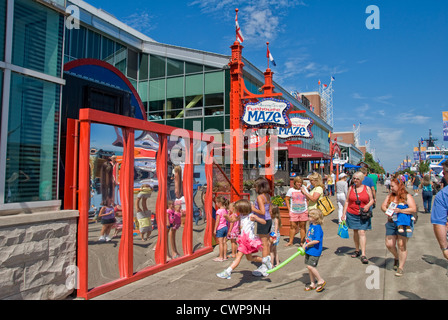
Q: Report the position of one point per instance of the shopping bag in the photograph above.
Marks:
(343, 230)
(325, 205)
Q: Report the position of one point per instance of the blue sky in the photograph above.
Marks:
(392, 80)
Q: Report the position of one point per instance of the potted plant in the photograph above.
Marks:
(278, 201)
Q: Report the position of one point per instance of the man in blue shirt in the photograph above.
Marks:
(368, 181)
(439, 215)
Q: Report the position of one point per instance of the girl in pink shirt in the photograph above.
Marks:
(221, 227)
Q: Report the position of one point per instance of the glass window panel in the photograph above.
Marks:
(194, 124)
(174, 67)
(143, 68)
(194, 85)
(192, 67)
(143, 88)
(175, 87)
(174, 114)
(132, 63)
(214, 99)
(37, 37)
(216, 123)
(93, 45)
(214, 111)
(214, 82)
(157, 90)
(120, 57)
(2, 28)
(156, 67)
(31, 163)
(175, 123)
(107, 50)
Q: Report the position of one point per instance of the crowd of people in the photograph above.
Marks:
(356, 197)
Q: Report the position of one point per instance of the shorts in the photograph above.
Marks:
(392, 230)
(221, 233)
(311, 260)
(108, 221)
(294, 217)
(264, 228)
(356, 223)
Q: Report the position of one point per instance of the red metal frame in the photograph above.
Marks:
(125, 255)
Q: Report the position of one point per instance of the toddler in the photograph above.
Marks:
(248, 242)
(234, 228)
(221, 227)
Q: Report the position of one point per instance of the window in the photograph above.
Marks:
(31, 150)
(132, 64)
(107, 50)
(93, 45)
(174, 67)
(143, 68)
(2, 28)
(156, 67)
(194, 89)
(37, 37)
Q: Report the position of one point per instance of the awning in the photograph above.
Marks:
(296, 152)
(351, 166)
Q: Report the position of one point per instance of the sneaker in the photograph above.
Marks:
(223, 275)
(102, 238)
(261, 271)
(268, 263)
(399, 272)
(108, 238)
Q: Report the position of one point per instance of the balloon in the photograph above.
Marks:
(300, 252)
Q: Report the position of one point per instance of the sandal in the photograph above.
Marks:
(364, 260)
(356, 254)
(396, 264)
(320, 287)
(308, 287)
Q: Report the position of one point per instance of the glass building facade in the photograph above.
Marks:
(31, 42)
(179, 87)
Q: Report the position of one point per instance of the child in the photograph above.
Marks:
(248, 242)
(262, 207)
(221, 228)
(107, 215)
(403, 220)
(174, 219)
(234, 228)
(298, 210)
(118, 226)
(275, 234)
(313, 249)
(143, 213)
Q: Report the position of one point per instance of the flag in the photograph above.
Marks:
(332, 78)
(239, 34)
(270, 57)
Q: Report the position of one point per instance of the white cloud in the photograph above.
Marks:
(412, 118)
(140, 21)
(259, 20)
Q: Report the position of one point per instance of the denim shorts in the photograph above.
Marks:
(392, 230)
(356, 223)
(221, 233)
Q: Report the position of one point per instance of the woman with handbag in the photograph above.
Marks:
(395, 241)
(358, 214)
(316, 192)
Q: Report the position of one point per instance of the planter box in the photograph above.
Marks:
(286, 224)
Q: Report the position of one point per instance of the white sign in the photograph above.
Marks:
(266, 111)
(300, 128)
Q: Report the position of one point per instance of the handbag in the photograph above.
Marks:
(364, 215)
(325, 205)
(343, 230)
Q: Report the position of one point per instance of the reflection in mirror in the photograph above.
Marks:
(146, 188)
(105, 220)
(199, 188)
(176, 200)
